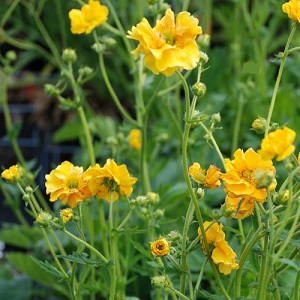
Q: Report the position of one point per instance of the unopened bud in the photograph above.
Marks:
(216, 118)
(283, 197)
(69, 55)
(259, 125)
(263, 178)
(203, 57)
(98, 47)
(153, 198)
(199, 89)
(11, 55)
(159, 281)
(44, 219)
(51, 90)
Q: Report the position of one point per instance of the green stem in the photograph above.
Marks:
(278, 79)
(112, 93)
(189, 184)
(87, 245)
(113, 253)
(87, 135)
(237, 123)
(8, 13)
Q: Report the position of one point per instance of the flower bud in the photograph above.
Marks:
(69, 55)
(51, 90)
(263, 178)
(216, 118)
(203, 57)
(283, 197)
(259, 125)
(159, 213)
(153, 198)
(98, 47)
(29, 190)
(200, 193)
(159, 281)
(66, 215)
(199, 89)
(109, 42)
(44, 219)
(11, 55)
(85, 71)
(174, 236)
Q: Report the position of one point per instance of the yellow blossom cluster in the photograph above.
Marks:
(222, 254)
(241, 182)
(209, 178)
(89, 17)
(170, 45)
(71, 184)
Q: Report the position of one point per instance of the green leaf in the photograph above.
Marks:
(25, 265)
(49, 268)
(82, 258)
(19, 236)
(289, 262)
(209, 296)
(18, 289)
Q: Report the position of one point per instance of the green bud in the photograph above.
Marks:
(200, 193)
(216, 118)
(174, 236)
(69, 55)
(153, 198)
(283, 197)
(44, 219)
(203, 57)
(85, 71)
(98, 47)
(109, 42)
(51, 90)
(199, 89)
(263, 178)
(11, 55)
(159, 281)
(29, 190)
(259, 125)
(159, 213)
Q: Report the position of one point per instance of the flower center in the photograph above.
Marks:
(160, 246)
(248, 176)
(72, 183)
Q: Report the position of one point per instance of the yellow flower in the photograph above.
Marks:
(67, 183)
(160, 247)
(110, 181)
(224, 257)
(292, 9)
(209, 178)
(213, 232)
(89, 17)
(12, 174)
(240, 207)
(170, 44)
(66, 214)
(134, 139)
(278, 143)
(239, 179)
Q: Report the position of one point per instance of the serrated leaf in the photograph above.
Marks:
(49, 268)
(82, 258)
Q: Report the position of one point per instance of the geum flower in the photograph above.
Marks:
(240, 181)
(88, 17)
(222, 254)
(278, 143)
(68, 184)
(160, 247)
(292, 9)
(110, 181)
(13, 173)
(170, 45)
(209, 178)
